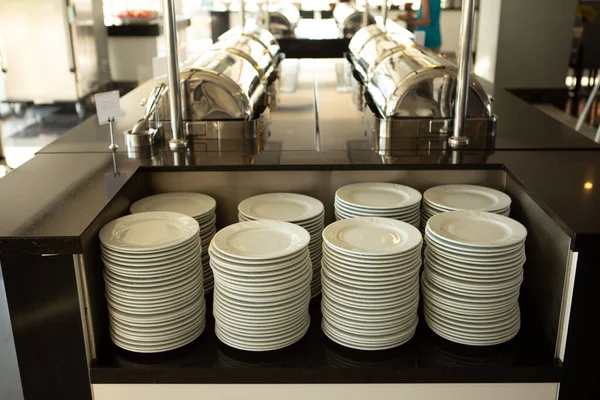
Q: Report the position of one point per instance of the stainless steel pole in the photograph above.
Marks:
(267, 16)
(365, 20)
(384, 14)
(588, 106)
(458, 137)
(243, 14)
(177, 138)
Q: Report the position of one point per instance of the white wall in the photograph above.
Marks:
(450, 27)
(530, 41)
(486, 45)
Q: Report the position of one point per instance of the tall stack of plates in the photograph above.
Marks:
(446, 198)
(153, 281)
(473, 273)
(196, 205)
(375, 199)
(370, 274)
(262, 275)
(299, 209)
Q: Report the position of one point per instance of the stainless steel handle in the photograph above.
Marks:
(384, 13)
(69, 19)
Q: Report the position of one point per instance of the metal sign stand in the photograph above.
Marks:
(113, 146)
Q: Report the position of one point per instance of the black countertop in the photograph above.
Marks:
(426, 358)
(151, 28)
(50, 202)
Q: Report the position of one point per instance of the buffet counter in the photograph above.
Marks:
(55, 204)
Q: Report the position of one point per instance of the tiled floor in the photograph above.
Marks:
(23, 137)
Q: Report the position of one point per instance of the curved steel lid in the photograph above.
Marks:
(263, 36)
(284, 16)
(349, 17)
(251, 49)
(419, 84)
(219, 85)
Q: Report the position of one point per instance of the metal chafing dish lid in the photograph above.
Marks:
(377, 50)
(348, 16)
(283, 16)
(263, 36)
(219, 85)
(251, 49)
(419, 84)
(222, 85)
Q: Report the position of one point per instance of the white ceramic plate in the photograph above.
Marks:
(467, 197)
(151, 231)
(190, 204)
(288, 207)
(432, 239)
(477, 229)
(261, 240)
(372, 236)
(402, 213)
(377, 195)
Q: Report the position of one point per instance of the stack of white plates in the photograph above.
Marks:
(196, 205)
(153, 281)
(473, 273)
(446, 198)
(299, 209)
(374, 199)
(262, 284)
(370, 274)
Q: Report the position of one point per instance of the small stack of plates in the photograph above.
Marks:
(374, 199)
(446, 198)
(196, 205)
(299, 209)
(370, 273)
(472, 277)
(153, 281)
(262, 275)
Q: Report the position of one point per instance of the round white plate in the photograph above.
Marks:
(261, 240)
(372, 236)
(288, 207)
(370, 259)
(477, 229)
(151, 231)
(171, 252)
(245, 343)
(364, 342)
(467, 197)
(377, 195)
(484, 259)
(403, 212)
(432, 239)
(385, 277)
(190, 204)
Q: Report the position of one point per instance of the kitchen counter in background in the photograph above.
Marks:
(131, 48)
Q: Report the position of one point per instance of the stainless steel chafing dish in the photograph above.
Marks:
(407, 91)
(252, 30)
(225, 93)
(283, 18)
(371, 45)
(413, 82)
(350, 19)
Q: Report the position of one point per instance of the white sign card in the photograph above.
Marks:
(108, 106)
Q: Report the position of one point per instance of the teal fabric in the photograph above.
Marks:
(433, 34)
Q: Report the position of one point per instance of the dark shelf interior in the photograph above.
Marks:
(316, 359)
